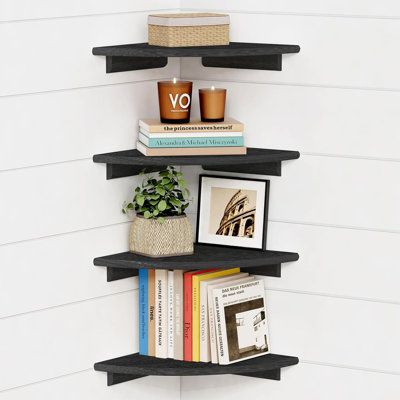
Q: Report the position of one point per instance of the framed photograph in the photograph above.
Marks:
(232, 211)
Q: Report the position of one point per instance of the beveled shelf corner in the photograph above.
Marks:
(134, 366)
(137, 56)
(258, 262)
(256, 161)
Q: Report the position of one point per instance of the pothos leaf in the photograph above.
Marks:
(162, 205)
(139, 199)
(160, 190)
(147, 214)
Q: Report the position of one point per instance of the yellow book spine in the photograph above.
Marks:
(196, 279)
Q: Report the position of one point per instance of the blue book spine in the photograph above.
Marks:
(143, 311)
(231, 141)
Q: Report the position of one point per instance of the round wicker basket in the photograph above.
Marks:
(151, 238)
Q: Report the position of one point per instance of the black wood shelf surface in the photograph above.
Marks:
(256, 161)
(259, 262)
(135, 366)
(262, 56)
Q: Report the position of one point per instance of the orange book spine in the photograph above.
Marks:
(187, 312)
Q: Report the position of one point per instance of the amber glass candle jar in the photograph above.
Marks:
(212, 104)
(175, 98)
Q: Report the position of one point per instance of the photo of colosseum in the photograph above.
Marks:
(238, 212)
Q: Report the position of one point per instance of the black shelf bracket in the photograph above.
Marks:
(267, 168)
(267, 63)
(121, 64)
(115, 378)
(271, 62)
(122, 170)
(115, 273)
(274, 374)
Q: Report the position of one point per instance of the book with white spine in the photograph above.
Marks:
(205, 352)
(154, 125)
(191, 134)
(240, 321)
(211, 319)
(170, 314)
(178, 314)
(161, 294)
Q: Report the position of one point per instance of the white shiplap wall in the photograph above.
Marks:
(58, 315)
(338, 103)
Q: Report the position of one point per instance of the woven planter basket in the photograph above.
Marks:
(151, 238)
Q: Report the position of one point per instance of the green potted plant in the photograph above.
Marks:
(161, 227)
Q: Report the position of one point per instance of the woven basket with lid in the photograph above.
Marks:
(188, 29)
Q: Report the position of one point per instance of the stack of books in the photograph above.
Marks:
(211, 315)
(195, 138)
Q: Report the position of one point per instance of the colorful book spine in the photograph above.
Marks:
(196, 308)
(161, 288)
(170, 314)
(187, 312)
(143, 312)
(151, 313)
(192, 142)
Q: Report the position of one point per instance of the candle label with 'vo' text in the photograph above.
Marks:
(183, 100)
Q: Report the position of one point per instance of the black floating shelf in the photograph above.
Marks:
(256, 161)
(135, 366)
(259, 262)
(129, 57)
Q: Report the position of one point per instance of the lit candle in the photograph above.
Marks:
(174, 98)
(212, 104)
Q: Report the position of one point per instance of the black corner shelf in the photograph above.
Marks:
(135, 366)
(261, 56)
(256, 161)
(259, 262)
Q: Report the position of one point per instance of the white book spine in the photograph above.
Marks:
(218, 327)
(193, 134)
(161, 278)
(242, 278)
(178, 314)
(205, 347)
(170, 314)
(204, 335)
(211, 328)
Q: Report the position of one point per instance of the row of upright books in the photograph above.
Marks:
(195, 138)
(211, 315)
